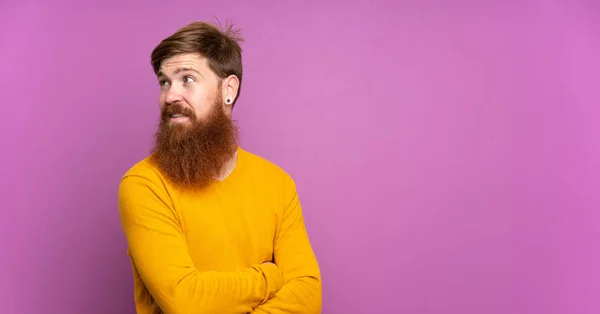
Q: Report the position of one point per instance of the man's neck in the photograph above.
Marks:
(229, 166)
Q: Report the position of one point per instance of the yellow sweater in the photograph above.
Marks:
(206, 253)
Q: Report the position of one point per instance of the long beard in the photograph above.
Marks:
(191, 154)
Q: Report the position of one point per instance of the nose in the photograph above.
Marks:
(173, 95)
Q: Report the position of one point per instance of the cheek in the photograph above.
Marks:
(199, 101)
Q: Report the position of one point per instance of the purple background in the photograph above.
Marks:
(447, 152)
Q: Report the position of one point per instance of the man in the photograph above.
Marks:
(210, 227)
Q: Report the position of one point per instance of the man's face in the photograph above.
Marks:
(189, 86)
(196, 136)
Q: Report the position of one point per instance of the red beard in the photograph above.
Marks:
(191, 154)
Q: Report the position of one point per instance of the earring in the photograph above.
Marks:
(228, 101)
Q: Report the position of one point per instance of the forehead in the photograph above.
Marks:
(179, 62)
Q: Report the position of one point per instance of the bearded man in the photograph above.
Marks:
(211, 227)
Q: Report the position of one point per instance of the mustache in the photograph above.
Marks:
(177, 109)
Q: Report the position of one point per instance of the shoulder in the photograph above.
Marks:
(143, 190)
(264, 165)
(142, 169)
(266, 169)
(142, 175)
(272, 178)
(143, 196)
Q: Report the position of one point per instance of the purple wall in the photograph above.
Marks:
(447, 155)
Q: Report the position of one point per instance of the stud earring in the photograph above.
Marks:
(228, 101)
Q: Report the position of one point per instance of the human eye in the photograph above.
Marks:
(163, 82)
(188, 79)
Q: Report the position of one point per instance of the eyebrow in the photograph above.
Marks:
(179, 70)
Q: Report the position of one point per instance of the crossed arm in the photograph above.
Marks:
(293, 253)
(158, 248)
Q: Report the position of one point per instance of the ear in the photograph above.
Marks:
(229, 88)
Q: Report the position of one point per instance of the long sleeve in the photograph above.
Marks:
(159, 250)
(293, 253)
